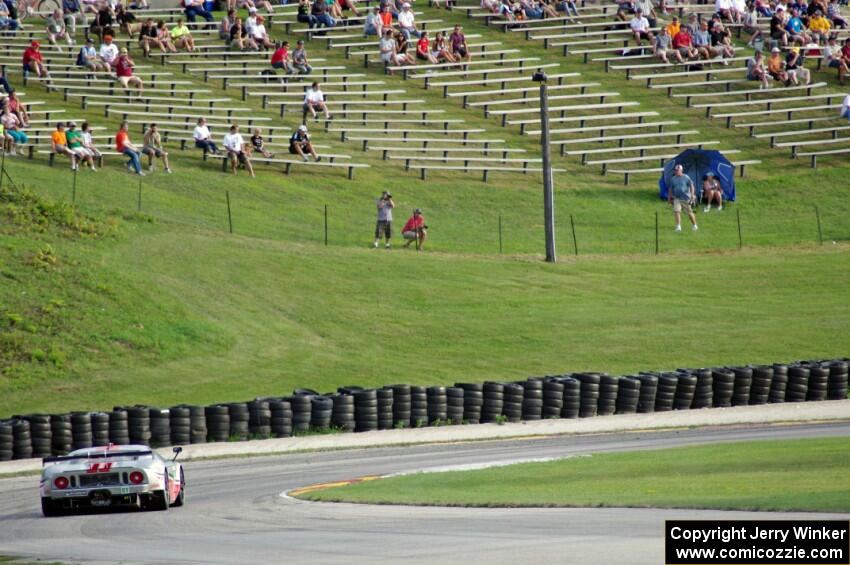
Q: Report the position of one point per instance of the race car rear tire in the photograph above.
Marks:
(159, 500)
(48, 508)
(181, 496)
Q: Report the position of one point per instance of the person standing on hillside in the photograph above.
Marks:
(680, 193)
(385, 219)
(415, 230)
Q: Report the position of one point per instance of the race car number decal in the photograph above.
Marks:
(99, 467)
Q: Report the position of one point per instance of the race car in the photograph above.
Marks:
(113, 475)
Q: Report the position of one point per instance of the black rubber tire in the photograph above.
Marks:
(181, 496)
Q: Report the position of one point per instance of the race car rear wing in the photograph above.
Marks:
(100, 455)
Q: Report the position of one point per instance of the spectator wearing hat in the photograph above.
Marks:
(314, 99)
(251, 20)
(260, 35)
(74, 138)
(384, 225)
(794, 67)
(203, 138)
(415, 230)
(125, 146)
(680, 194)
(56, 29)
(407, 22)
(721, 41)
(776, 66)
(152, 147)
(235, 145)
(59, 144)
(299, 144)
(835, 58)
(757, 71)
(88, 59)
(33, 62)
(299, 59)
(182, 37)
(819, 27)
(712, 191)
(280, 59)
(109, 52)
(124, 71)
(195, 8)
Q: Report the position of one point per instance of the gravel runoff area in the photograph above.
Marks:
(762, 414)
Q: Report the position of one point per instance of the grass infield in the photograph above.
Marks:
(777, 475)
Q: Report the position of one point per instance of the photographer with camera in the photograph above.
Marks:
(385, 219)
(415, 230)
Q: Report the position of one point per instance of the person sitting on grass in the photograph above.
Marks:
(57, 30)
(712, 191)
(235, 146)
(314, 99)
(152, 147)
(108, 52)
(75, 144)
(33, 62)
(299, 144)
(258, 145)
(280, 59)
(182, 37)
(203, 139)
(415, 230)
(757, 71)
(124, 71)
(13, 132)
(59, 144)
(125, 146)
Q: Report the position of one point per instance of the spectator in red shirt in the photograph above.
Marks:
(33, 61)
(415, 230)
(423, 49)
(123, 145)
(683, 44)
(124, 71)
(280, 58)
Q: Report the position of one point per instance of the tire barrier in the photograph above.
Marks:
(473, 402)
(353, 408)
(512, 396)
(455, 407)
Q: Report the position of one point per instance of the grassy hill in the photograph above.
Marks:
(102, 303)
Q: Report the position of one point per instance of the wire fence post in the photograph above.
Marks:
(326, 225)
(740, 237)
(820, 231)
(656, 232)
(3, 167)
(573, 226)
(139, 202)
(500, 234)
(229, 217)
(74, 188)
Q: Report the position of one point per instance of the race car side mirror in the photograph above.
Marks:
(177, 451)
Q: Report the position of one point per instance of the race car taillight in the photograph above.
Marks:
(136, 477)
(60, 482)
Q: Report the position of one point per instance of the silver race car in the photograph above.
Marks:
(114, 475)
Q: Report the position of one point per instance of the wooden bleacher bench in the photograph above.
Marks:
(485, 170)
(563, 109)
(593, 95)
(641, 158)
(815, 154)
(707, 73)
(795, 144)
(620, 139)
(527, 91)
(788, 111)
(769, 103)
(627, 173)
(772, 136)
(583, 119)
(446, 151)
(641, 149)
(558, 78)
(345, 134)
(727, 84)
(425, 141)
(748, 93)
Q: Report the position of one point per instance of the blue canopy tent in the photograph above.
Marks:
(696, 163)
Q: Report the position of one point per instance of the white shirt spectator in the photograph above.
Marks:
(314, 96)
(250, 24)
(109, 52)
(845, 108)
(259, 31)
(639, 23)
(234, 142)
(201, 133)
(645, 6)
(722, 5)
(405, 19)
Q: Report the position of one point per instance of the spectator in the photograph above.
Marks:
(56, 29)
(756, 70)
(7, 21)
(662, 45)
(845, 108)
(721, 42)
(794, 67)
(260, 35)
(833, 12)
(384, 225)
(460, 49)
(299, 59)
(673, 27)
(262, 3)
(109, 52)
(203, 139)
(334, 9)
(299, 144)
(683, 44)
(74, 138)
(164, 37)
(87, 140)
(647, 8)
(103, 21)
(711, 191)
(386, 18)
(349, 5)
(251, 20)
(777, 27)
(314, 99)
(148, 36)
(195, 8)
(235, 146)
(401, 47)
(124, 71)
(373, 25)
(239, 38)
(280, 59)
(4, 82)
(319, 11)
(776, 66)
(640, 28)
(72, 13)
(724, 9)
(126, 20)
(423, 49)
(835, 58)
(304, 15)
(125, 146)
(152, 147)
(795, 28)
(751, 26)
(18, 108)
(33, 62)
(692, 26)
(568, 7)
(407, 22)
(13, 131)
(415, 230)
(680, 194)
(182, 37)
(389, 52)
(258, 145)
(440, 50)
(819, 26)
(227, 22)
(59, 144)
(87, 57)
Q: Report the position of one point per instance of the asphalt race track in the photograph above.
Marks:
(235, 512)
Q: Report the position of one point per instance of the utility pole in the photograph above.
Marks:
(548, 195)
